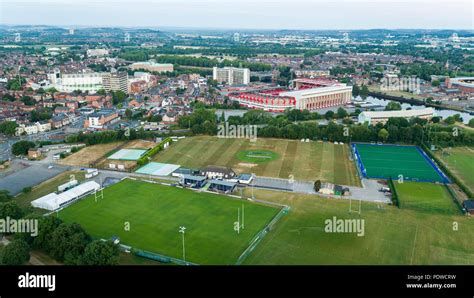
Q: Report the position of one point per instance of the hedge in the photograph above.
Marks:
(152, 152)
(395, 200)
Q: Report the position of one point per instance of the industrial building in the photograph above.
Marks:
(464, 84)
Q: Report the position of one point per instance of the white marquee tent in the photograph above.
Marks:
(55, 201)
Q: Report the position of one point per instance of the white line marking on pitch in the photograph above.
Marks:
(414, 244)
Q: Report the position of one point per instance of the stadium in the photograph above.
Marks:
(309, 94)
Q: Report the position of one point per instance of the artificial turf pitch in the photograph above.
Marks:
(155, 213)
(391, 161)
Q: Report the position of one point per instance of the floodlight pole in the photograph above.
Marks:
(360, 205)
(253, 183)
(182, 230)
(350, 204)
(238, 220)
(243, 217)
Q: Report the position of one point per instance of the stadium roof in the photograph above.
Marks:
(311, 91)
(54, 201)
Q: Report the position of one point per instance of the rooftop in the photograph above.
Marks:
(403, 113)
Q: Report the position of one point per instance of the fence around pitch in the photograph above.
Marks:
(256, 240)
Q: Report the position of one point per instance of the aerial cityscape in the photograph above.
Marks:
(294, 144)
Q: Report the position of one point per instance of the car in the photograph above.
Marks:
(50, 167)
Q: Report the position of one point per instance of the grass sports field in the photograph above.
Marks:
(155, 212)
(385, 161)
(392, 235)
(305, 161)
(427, 197)
(460, 160)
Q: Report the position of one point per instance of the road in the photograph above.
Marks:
(369, 192)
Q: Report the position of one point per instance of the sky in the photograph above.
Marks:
(243, 14)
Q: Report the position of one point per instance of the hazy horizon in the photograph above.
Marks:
(243, 14)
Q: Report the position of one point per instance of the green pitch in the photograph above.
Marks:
(155, 212)
(256, 156)
(385, 161)
(290, 158)
(460, 160)
(425, 197)
(393, 236)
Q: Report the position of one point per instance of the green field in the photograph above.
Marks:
(256, 156)
(304, 161)
(385, 161)
(425, 197)
(155, 212)
(460, 160)
(392, 235)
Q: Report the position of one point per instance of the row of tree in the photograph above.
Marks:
(67, 243)
(296, 124)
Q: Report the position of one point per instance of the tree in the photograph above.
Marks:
(5, 196)
(22, 147)
(435, 83)
(128, 114)
(15, 84)
(10, 209)
(40, 115)
(16, 252)
(364, 91)
(341, 113)
(355, 90)
(393, 106)
(46, 227)
(471, 123)
(317, 185)
(450, 120)
(8, 97)
(28, 100)
(329, 115)
(118, 97)
(8, 127)
(100, 253)
(68, 242)
(383, 135)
